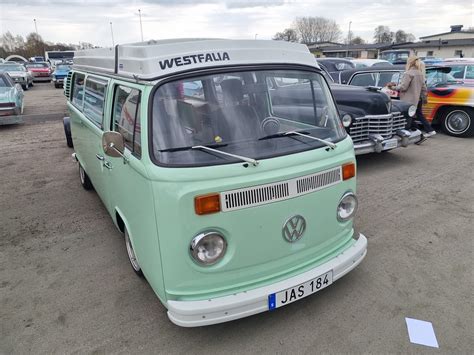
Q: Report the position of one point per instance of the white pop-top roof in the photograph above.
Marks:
(153, 59)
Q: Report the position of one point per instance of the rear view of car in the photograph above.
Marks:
(40, 71)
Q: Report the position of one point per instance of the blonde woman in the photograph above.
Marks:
(413, 90)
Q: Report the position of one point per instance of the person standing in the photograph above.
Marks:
(413, 90)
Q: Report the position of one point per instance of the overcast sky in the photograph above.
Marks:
(72, 21)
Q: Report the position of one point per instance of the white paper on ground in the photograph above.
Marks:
(421, 332)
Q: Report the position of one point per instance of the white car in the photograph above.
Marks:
(18, 73)
(365, 63)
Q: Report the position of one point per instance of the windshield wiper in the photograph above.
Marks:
(300, 133)
(177, 149)
(209, 148)
(245, 159)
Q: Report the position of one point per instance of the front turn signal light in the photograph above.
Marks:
(348, 171)
(207, 204)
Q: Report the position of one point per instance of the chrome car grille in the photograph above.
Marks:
(385, 125)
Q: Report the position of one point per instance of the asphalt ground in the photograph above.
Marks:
(66, 285)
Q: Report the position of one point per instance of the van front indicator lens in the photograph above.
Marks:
(348, 171)
(347, 207)
(206, 204)
(208, 248)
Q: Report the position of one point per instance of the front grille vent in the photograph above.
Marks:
(263, 194)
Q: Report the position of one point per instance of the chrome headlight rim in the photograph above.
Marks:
(198, 240)
(346, 120)
(412, 111)
(349, 193)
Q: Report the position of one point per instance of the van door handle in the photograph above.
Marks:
(108, 165)
(100, 157)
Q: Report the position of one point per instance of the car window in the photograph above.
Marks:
(126, 117)
(3, 83)
(364, 79)
(344, 66)
(470, 72)
(78, 90)
(457, 71)
(94, 98)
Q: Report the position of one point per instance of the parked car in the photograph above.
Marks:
(41, 71)
(395, 56)
(267, 189)
(335, 65)
(11, 100)
(364, 63)
(18, 73)
(374, 121)
(450, 103)
(59, 74)
(461, 70)
(431, 60)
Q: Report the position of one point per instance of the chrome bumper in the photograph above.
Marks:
(377, 143)
(244, 304)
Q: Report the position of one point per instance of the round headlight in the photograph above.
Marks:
(346, 120)
(347, 207)
(208, 248)
(412, 111)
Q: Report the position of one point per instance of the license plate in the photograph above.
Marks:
(390, 143)
(292, 294)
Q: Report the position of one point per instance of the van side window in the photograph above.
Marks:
(94, 98)
(126, 117)
(78, 90)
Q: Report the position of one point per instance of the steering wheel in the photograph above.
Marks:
(270, 125)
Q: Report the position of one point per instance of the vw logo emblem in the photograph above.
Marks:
(294, 228)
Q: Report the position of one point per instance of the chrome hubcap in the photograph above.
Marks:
(131, 253)
(458, 121)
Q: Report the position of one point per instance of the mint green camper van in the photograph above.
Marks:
(225, 165)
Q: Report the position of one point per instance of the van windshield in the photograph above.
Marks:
(242, 113)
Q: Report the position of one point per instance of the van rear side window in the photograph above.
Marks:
(126, 117)
(78, 90)
(94, 97)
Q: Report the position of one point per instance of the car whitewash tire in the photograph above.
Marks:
(84, 178)
(131, 254)
(458, 122)
(67, 132)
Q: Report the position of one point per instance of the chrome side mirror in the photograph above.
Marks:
(112, 142)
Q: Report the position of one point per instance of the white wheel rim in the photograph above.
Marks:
(131, 253)
(82, 175)
(458, 122)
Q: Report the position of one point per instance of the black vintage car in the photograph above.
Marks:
(374, 121)
(335, 65)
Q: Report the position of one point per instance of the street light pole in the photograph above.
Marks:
(112, 32)
(141, 27)
(348, 39)
(36, 27)
(256, 34)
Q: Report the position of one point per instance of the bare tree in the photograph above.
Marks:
(382, 34)
(402, 36)
(316, 29)
(288, 35)
(357, 40)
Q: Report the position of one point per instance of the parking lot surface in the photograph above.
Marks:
(66, 285)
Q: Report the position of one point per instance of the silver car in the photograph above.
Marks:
(18, 73)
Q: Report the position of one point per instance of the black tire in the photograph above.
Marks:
(131, 254)
(57, 86)
(67, 132)
(84, 178)
(25, 87)
(458, 121)
(32, 84)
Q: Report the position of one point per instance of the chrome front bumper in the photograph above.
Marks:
(244, 304)
(377, 143)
